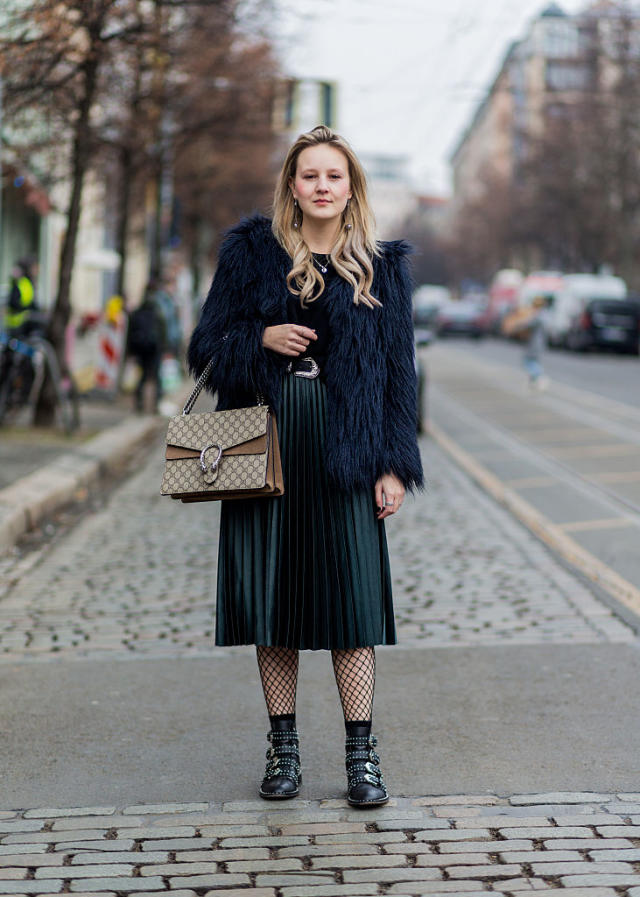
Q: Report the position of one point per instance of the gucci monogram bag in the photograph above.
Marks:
(222, 454)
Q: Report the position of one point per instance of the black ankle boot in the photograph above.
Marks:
(282, 775)
(365, 782)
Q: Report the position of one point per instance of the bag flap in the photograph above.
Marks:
(229, 428)
(256, 446)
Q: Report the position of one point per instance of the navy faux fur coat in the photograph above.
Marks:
(370, 377)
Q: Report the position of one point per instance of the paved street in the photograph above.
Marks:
(507, 717)
(568, 454)
(607, 374)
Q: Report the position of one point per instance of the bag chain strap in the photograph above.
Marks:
(200, 383)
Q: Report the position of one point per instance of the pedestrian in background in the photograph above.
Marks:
(144, 343)
(535, 343)
(168, 311)
(310, 310)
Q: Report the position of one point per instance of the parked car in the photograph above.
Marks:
(422, 338)
(576, 291)
(462, 318)
(427, 299)
(606, 323)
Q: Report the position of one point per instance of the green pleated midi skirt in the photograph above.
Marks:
(308, 569)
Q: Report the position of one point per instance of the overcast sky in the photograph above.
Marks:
(410, 72)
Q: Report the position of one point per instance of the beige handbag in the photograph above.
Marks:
(222, 454)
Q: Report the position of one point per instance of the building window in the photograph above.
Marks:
(561, 39)
(566, 77)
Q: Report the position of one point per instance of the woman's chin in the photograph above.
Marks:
(322, 213)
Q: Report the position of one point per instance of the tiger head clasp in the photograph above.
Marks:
(210, 471)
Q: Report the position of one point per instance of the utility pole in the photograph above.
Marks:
(1, 234)
(163, 172)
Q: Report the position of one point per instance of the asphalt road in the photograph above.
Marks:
(607, 374)
(571, 452)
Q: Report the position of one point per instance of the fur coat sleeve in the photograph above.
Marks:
(230, 327)
(402, 455)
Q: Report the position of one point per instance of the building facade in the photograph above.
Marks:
(539, 76)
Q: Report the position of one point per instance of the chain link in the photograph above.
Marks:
(201, 383)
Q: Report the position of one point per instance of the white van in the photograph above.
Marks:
(571, 298)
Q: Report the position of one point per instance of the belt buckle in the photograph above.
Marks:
(311, 373)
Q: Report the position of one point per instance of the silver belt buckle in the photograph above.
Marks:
(308, 375)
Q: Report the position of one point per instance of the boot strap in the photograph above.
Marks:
(362, 761)
(283, 757)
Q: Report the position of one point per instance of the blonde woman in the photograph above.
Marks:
(311, 311)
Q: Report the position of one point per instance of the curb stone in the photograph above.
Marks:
(24, 504)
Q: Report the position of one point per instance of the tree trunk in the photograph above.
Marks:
(194, 257)
(44, 412)
(127, 171)
(124, 207)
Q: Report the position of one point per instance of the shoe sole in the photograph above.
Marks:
(277, 796)
(365, 804)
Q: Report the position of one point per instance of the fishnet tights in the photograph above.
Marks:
(355, 672)
(279, 674)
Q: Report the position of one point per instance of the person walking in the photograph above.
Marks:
(144, 343)
(535, 342)
(312, 312)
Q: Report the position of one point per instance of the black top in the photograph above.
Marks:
(314, 315)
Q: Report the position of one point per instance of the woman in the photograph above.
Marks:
(315, 315)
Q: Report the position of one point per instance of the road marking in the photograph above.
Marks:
(594, 451)
(616, 476)
(552, 433)
(531, 482)
(579, 526)
(549, 533)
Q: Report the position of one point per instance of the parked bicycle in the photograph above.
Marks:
(24, 364)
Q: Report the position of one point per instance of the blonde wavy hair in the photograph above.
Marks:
(355, 246)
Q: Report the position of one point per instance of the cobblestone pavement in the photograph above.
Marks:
(587, 845)
(137, 578)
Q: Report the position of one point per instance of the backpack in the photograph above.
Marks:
(143, 335)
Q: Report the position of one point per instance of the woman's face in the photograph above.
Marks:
(321, 184)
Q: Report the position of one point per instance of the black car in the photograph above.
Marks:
(460, 318)
(607, 324)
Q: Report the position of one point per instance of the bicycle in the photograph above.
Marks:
(24, 364)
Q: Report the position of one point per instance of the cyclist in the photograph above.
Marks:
(20, 316)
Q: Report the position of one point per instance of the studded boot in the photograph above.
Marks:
(365, 782)
(282, 775)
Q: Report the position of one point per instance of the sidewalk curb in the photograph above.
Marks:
(553, 536)
(29, 499)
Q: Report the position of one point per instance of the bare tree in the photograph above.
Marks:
(54, 54)
(173, 93)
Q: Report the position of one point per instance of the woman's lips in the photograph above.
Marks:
(322, 202)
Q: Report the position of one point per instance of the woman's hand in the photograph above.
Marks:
(288, 339)
(388, 489)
